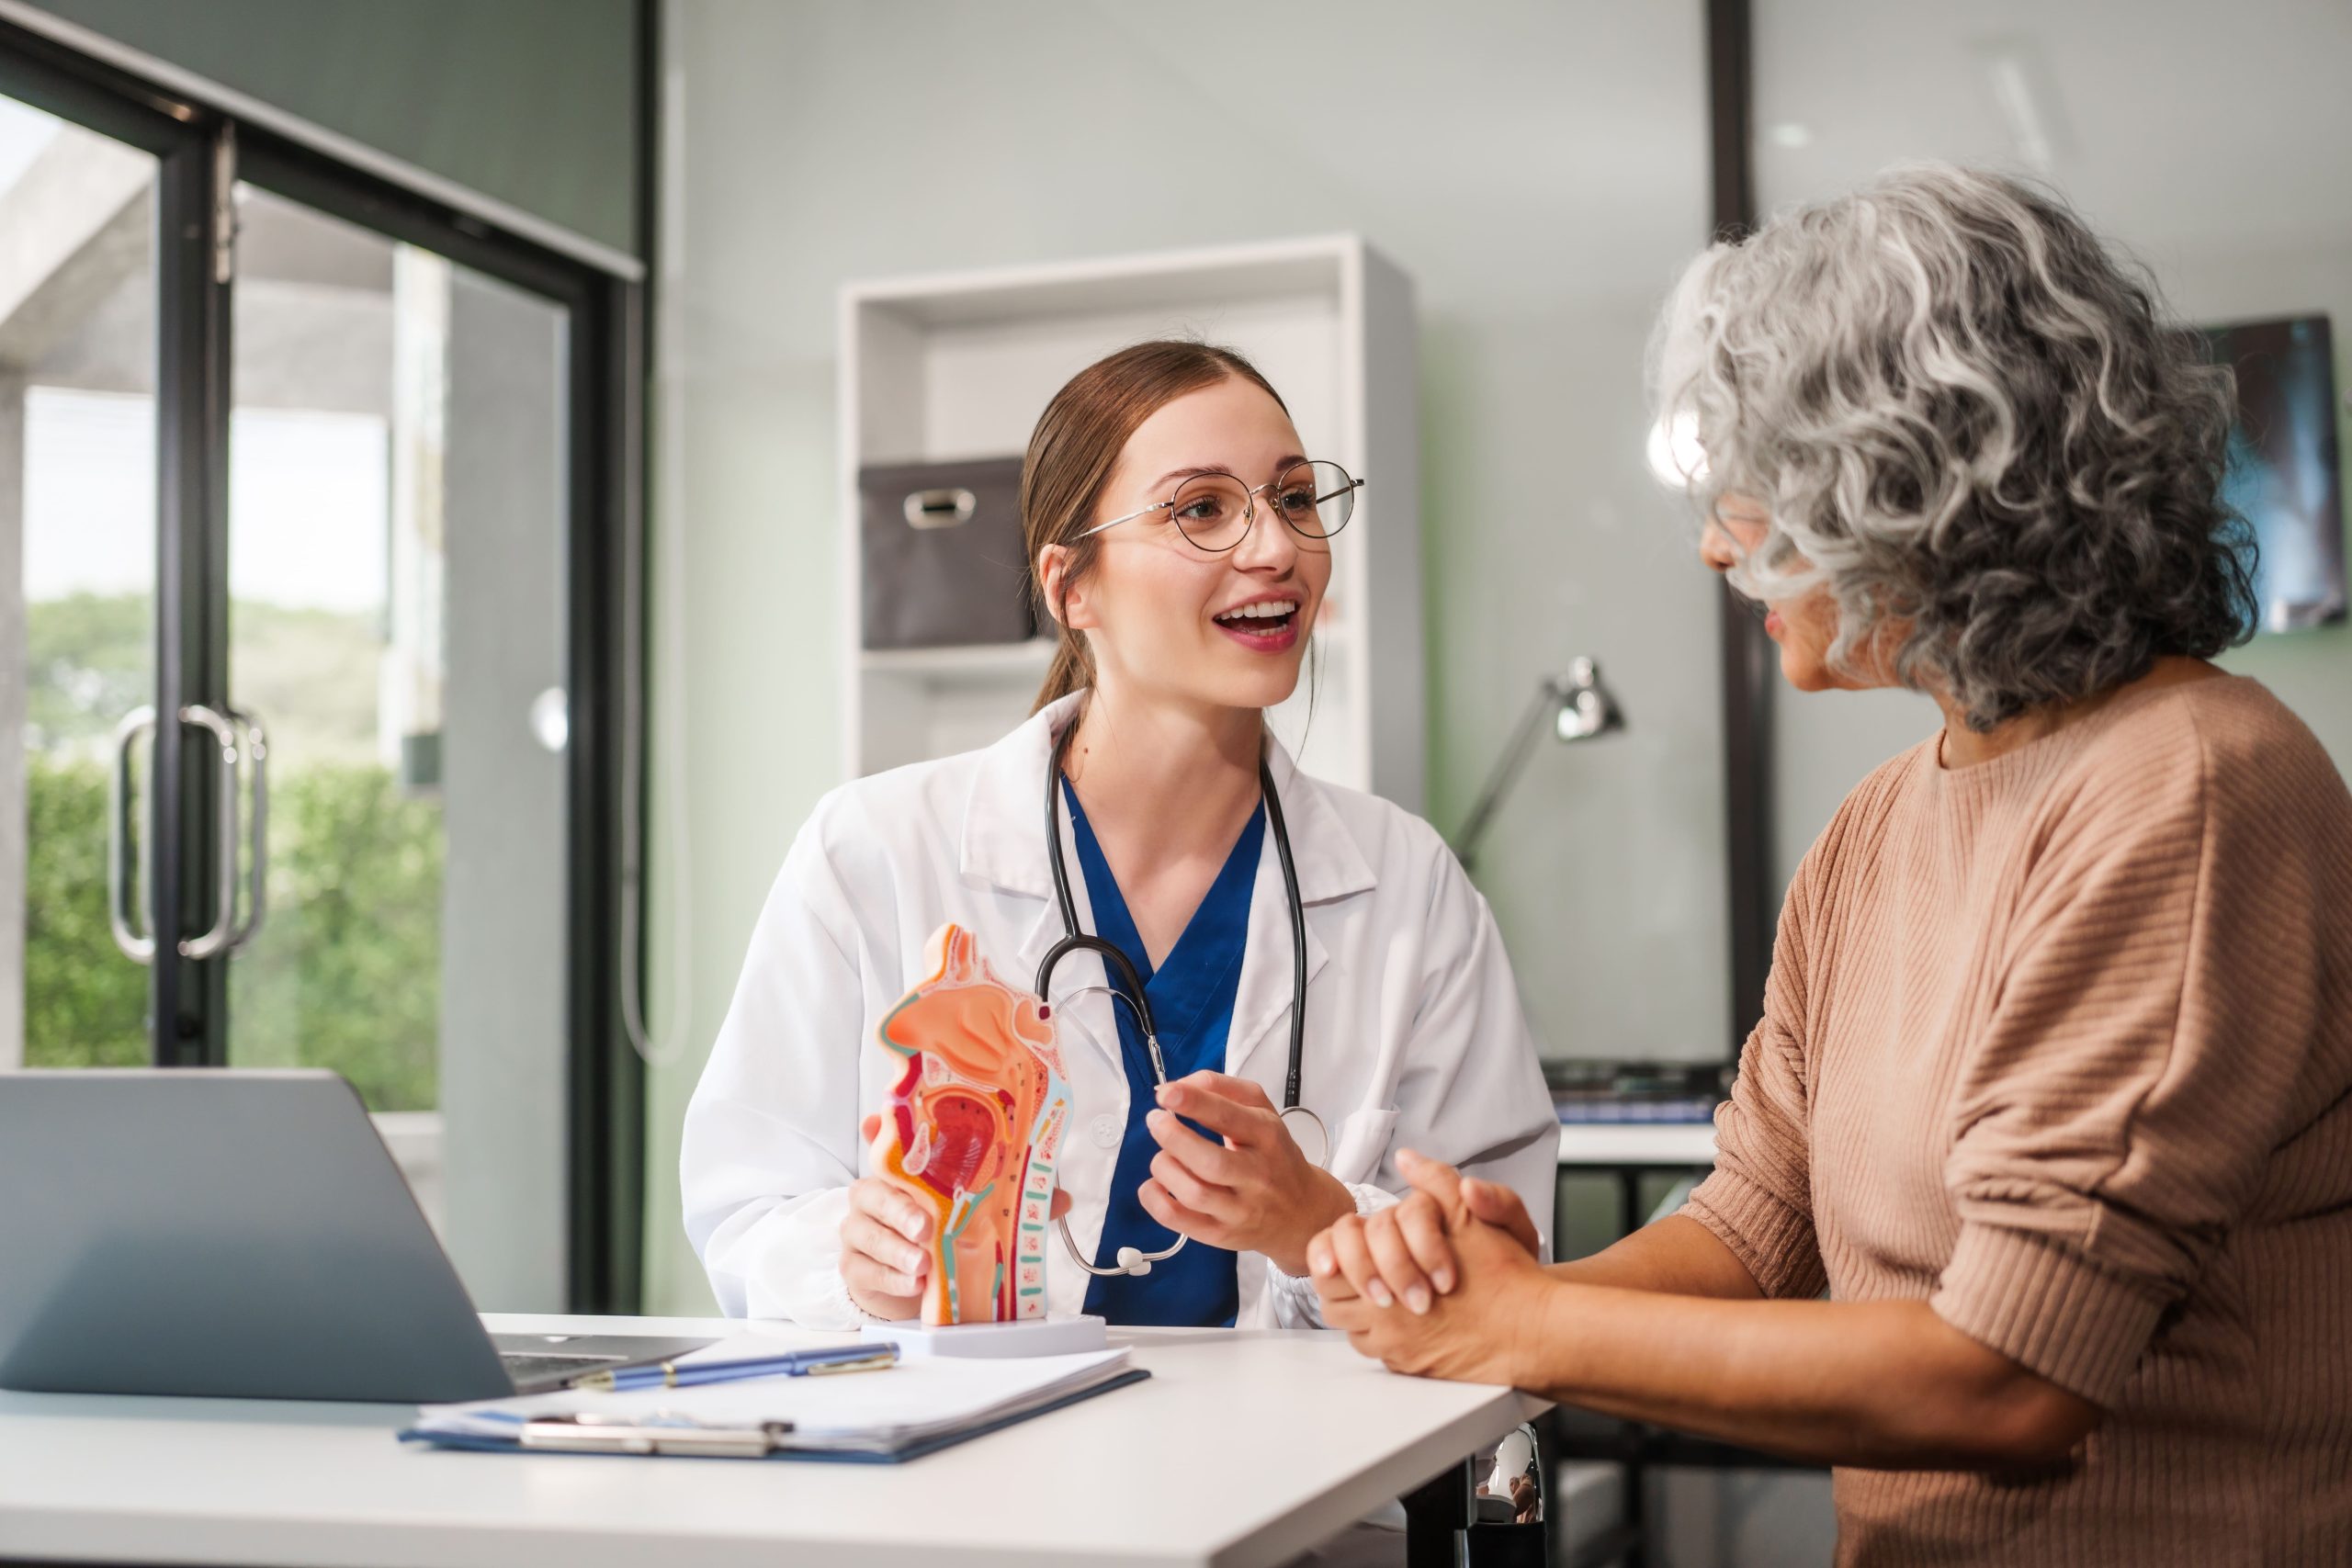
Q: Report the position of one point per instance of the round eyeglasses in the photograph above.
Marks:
(1213, 511)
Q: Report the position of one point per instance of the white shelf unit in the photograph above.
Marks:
(959, 366)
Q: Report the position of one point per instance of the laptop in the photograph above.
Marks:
(241, 1234)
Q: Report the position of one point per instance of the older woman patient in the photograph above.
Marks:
(2052, 1091)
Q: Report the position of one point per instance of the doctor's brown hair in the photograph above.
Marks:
(1074, 449)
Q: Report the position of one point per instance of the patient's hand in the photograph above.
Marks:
(1407, 1253)
(1470, 1331)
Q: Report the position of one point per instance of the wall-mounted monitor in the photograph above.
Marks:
(2285, 470)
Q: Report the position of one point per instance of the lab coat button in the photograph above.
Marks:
(1106, 1131)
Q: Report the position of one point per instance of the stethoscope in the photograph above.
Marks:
(1134, 1260)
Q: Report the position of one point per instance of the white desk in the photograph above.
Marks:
(1241, 1448)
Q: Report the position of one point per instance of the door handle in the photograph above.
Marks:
(239, 736)
(256, 749)
(224, 891)
(138, 949)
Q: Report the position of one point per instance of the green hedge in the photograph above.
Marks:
(85, 1004)
(345, 974)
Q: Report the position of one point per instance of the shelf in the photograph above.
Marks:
(1654, 1145)
(969, 660)
(1184, 280)
(1029, 658)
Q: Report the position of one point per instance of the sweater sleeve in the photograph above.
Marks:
(2158, 999)
(1758, 1201)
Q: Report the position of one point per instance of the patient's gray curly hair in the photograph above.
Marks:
(1967, 416)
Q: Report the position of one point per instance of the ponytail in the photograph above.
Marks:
(1070, 672)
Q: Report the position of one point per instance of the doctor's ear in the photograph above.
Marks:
(1065, 600)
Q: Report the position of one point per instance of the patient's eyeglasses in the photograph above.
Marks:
(1213, 511)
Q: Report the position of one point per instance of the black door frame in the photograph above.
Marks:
(201, 150)
(191, 380)
(1751, 664)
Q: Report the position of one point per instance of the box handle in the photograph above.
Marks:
(940, 508)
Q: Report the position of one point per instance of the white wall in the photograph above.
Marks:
(1540, 170)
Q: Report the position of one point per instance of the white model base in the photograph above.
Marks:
(1068, 1334)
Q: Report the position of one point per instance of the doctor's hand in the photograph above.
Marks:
(1254, 1192)
(1407, 1253)
(886, 1242)
(1472, 1333)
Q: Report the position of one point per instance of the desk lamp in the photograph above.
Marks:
(1580, 709)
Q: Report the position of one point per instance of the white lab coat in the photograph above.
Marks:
(1414, 1033)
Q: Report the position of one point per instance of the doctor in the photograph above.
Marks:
(1181, 538)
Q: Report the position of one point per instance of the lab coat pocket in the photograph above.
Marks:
(1357, 1152)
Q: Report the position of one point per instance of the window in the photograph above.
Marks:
(381, 832)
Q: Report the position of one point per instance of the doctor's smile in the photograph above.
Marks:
(1268, 624)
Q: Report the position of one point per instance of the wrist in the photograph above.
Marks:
(1541, 1346)
(1330, 1202)
(858, 1305)
(876, 1306)
(881, 1309)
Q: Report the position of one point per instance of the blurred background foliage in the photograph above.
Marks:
(346, 973)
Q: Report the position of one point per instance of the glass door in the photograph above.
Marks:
(396, 580)
(78, 562)
(317, 599)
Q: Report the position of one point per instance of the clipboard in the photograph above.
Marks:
(777, 1448)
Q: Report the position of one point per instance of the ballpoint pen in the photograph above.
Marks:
(859, 1357)
(656, 1435)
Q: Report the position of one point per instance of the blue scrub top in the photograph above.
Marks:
(1192, 1002)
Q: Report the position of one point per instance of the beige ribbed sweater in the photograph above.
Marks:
(2062, 1044)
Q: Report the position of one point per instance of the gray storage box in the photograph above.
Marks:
(943, 561)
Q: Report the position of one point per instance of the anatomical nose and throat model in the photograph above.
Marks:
(970, 1131)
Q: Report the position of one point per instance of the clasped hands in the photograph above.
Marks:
(1444, 1284)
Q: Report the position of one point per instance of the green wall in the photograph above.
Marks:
(532, 102)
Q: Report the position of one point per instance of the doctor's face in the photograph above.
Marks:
(1167, 617)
